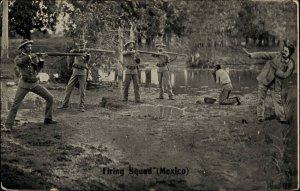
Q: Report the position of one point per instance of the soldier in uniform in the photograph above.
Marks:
(222, 77)
(131, 61)
(29, 65)
(274, 77)
(163, 72)
(79, 65)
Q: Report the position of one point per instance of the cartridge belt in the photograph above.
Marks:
(78, 66)
(29, 79)
(131, 67)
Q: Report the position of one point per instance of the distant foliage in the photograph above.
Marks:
(151, 19)
(27, 16)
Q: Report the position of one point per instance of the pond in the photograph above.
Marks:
(194, 80)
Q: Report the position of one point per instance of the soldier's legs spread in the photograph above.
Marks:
(278, 105)
(82, 88)
(44, 93)
(262, 93)
(72, 82)
(20, 94)
(167, 81)
(160, 84)
(126, 85)
(135, 80)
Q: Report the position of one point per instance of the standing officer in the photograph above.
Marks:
(80, 67)
(29, 65)
(222, 77)
(163, 72)
(131, 61)
(273, 77)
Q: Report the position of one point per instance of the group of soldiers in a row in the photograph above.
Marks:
(29, 64)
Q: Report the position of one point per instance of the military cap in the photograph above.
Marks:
(127, 43)
(24, 42)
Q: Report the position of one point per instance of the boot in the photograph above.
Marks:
(48, 121)
(171, 98)
(238, 99)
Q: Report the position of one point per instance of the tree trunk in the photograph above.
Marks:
(4, 44)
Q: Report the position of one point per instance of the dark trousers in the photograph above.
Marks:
(20, 95)
(134, 78)
(82, 88)
(224, 98)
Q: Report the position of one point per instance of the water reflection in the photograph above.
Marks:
(185, 79)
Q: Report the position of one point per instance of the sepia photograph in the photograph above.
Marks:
(149, 95)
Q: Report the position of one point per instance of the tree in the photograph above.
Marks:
(29, 15)
(152, 19)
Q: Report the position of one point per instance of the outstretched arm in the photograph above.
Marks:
(261, 55)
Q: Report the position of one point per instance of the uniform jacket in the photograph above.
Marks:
(79, 63)
(162, 61)
(275, 70)
(28, 69)
(131, 61)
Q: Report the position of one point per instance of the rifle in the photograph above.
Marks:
(97, 50)
(157, 53)
(58, 54)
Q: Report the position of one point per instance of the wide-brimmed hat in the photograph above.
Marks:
(160, 44)
(129, 42)
(24, 42)
(81, 42)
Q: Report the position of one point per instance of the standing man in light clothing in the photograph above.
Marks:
(29, 65)
(273, 77)
(222, 77)
(131, 61)
(80, 66)
(163, 72)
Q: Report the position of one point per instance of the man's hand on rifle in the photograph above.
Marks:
(244, 50)
(173, 59)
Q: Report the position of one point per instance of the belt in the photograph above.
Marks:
(131, 67)
(29, 79)
(226, 83)
(79, 66)
(161, 65)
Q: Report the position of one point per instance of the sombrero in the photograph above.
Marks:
(160, 45)
(127, 43)
(24, 42)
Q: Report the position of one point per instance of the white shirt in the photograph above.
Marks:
(222, 77)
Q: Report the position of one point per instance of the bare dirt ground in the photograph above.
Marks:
(220, 147)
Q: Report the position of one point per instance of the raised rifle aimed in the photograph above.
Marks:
(160, 53)
(96, 50)
(58, 54)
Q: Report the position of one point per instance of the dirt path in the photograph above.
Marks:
(217, 146)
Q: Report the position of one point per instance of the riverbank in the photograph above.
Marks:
(219, 146)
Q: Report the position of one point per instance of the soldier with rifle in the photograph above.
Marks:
(131, 61)
(79, 66)
(163, 73)
(29, 65)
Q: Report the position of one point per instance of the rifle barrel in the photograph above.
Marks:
(147, 52)
(59, 54)
(157, 53)
(101, 50)
(174, 53)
